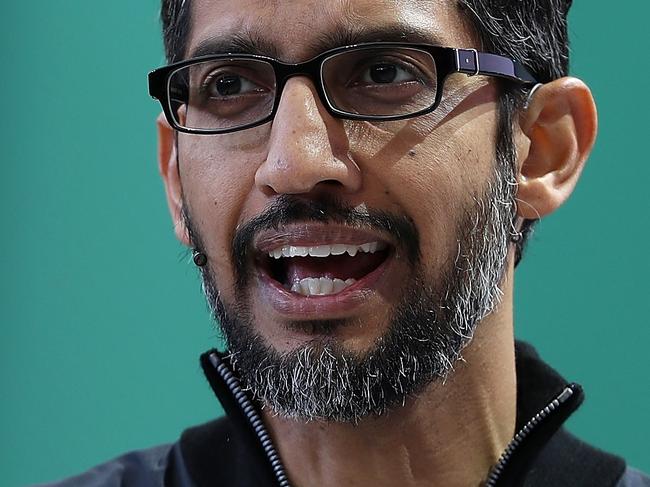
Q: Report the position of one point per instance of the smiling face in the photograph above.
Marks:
(344, 247)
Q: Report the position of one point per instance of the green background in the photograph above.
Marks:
(101, 315)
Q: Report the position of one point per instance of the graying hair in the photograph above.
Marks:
(324, 382)
(532, 31)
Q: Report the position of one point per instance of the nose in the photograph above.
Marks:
(308, 147)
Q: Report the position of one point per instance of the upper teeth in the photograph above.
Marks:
(325, 250)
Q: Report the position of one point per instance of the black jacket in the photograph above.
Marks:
(236, 450)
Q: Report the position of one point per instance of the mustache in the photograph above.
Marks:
(289, 209)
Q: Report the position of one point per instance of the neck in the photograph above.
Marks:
(449, 435)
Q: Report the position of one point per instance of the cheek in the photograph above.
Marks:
(432, 194)
(217, 174)
(432, 178)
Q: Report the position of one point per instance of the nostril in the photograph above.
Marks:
(332, 183)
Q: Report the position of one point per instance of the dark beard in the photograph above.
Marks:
(435, 320)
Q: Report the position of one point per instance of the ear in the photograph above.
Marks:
(169, 171)
(559, 127)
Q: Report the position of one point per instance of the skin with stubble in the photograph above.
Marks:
(435, 176)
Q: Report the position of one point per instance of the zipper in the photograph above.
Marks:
(247, 407)
(253, 417)
(553, 406)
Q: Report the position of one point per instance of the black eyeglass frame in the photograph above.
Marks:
(448, 60)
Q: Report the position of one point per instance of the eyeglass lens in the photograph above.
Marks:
(228, 93)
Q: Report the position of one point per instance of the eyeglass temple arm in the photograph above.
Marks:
(472, 62)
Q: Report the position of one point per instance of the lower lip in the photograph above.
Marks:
(297, 306)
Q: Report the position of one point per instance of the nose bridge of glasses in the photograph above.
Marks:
(309, 69)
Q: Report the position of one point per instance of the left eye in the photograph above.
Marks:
(385, 73)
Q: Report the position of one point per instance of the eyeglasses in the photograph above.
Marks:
(224, 93)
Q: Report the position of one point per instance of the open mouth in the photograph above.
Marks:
(322, 269)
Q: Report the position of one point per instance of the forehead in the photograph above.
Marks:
(294, 30)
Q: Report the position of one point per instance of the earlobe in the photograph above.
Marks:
(560, 125)
(169, 171)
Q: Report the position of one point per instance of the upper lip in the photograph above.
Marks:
(316, 234)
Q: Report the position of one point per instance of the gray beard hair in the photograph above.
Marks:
(323, 381)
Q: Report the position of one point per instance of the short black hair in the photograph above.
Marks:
(532, 32)
(175, 19)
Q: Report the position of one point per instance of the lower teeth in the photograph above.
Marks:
(320, 286)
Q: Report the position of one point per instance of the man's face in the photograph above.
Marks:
(418, 190)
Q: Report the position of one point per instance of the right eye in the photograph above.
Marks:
(222, 85)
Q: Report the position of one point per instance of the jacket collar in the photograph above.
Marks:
(243, 460)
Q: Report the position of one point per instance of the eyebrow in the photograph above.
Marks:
(250, 42)
(240, 43)
(345, 36)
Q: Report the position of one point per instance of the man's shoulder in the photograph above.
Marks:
(147, 467)
(161, 465)
(568, 461)
(633, 478)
